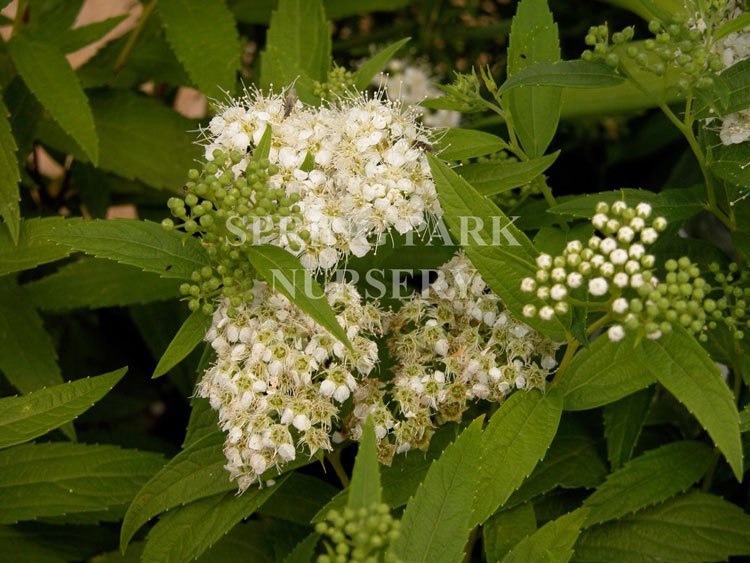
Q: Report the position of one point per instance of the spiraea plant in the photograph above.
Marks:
(382, 290)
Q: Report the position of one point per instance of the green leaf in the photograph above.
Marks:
(285, 273)
(623, 422)
(94, 283)
(693, 527)
(203, 419)
(688, 372)
(299, 499)
(364, 489)
(251, 539)
(649, 479)
(552, 543)
(460, 144)
(732, 26)
(730, 161)
(372, 67)
(204, 37)
(194, 473)
(510, 255)
(80, 37)
(9, 177)
(535, 109)
(27, 356)
(496, 177)
(572, 462)
(50, 78)
(25, 418)
(33, 247)
(567, 74)
(514, 441)
(38, 480)
(264, 146)
(304, 551)
(605, 372)
(435, 524)
(191, 334)
(501, 532)
(143, 244)
(185, 533)
(337, 9)
(298, 44)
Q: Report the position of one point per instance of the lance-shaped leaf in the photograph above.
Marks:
(436, 522)
(50, 78)
(372, 67)
(364, 489)
(9, 177)
(143, 244)
(460, 144)
(497, 177)
(567, 74)
(688, 372)
(623, 421)
(191, 334)
(552, 543)
(285, 273)
(514, 441)
(204, 37)
(33, 246)
(25, 418)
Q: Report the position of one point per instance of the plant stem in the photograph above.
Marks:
(334, 458)
(135, 34)
(18, 21)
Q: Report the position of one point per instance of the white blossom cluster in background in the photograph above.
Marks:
(735, 47)
(280, 379)
(358, 166)
(452, 344)
(412, 84)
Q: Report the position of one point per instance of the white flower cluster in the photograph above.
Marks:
(413, 84)
(605, 267)
(280, 378)
(452, 344)
(358, 167)
(735, 47)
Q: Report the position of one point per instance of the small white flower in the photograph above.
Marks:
(558, 292)
(546, 313)
(621, 279)
(287, 452)
(301, 422)
(599, 221)
(598, 287)
(649, 235)
(574, 280)
(441, 347)
(544, 261)
(342, 393)
(616, 333)
(620, 305)
(528, 285)
(520, 382)
(529, 311)
(327, 388)
(618, 257)
(643, 210)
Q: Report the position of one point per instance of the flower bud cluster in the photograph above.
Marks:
(453, 344)
(359, 536)
(413, 84)
(602, 46)
(678, 299)
(339, 83)
(604, 267)
(279, 378)
(731, 305)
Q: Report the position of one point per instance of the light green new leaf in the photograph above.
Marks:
(33, 247)
(143, 244)
(94, 283)
(623, 421)
(194, 473)
(651, 478)
(27, 357)
(567, 74)
(495, 177)
(687, 371)
(298, 44)
(605, 372)
(514, 441)
(459, 144)
(364, 489)
(690, 528)
(501, 532)
(191, 334)
(435, 524)
(535, 109)
(184, 534)
(50, 78)
(552, 543)
(503, 255)
(364, 75)
(42, 480)
(204, 37)
(9, 177)
(25, 418)
(285, 273)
